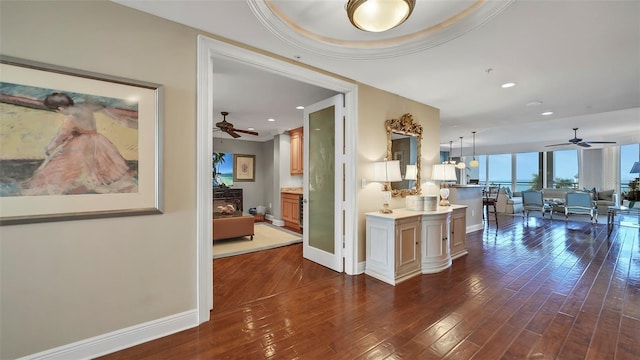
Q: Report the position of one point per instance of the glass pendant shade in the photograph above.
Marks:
(379, 15)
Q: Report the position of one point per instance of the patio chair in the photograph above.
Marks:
(580, 203)
(533, 201)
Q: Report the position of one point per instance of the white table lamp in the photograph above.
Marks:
(386, 172)
(444, 173)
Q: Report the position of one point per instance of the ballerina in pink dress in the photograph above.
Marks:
(79, 160)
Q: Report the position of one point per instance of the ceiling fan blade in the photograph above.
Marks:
(583, 144)
(246, 132)
(600, 142)
(559, 144)
(232, 133)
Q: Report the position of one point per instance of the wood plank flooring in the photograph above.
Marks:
(549, 290)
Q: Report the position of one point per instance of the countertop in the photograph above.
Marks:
(291, 190)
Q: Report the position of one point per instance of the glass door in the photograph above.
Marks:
(323, 183)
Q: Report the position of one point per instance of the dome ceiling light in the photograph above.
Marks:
(320, 27)
(379, 15)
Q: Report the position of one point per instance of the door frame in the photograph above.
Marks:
(208, 50)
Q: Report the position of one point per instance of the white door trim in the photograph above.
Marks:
(208, 50)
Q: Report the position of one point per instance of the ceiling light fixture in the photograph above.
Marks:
(300, 107)
(547, 113)
(474, 163)
(508, 85)
(379, 15)
(271, 120)
(461, 165)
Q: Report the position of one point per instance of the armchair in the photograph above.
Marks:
(580, 203)
(533, 201)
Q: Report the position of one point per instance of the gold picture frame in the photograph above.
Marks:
(244, 167)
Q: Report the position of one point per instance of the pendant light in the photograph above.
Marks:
(474, 163)
(450, 151)
(461, 165)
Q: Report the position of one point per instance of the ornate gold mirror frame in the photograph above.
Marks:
(404, 126)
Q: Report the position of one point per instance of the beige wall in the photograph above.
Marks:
(374, 108)
(67, 281)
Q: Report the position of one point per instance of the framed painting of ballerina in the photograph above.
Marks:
(76, 145)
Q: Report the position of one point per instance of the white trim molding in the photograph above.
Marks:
(119, 339)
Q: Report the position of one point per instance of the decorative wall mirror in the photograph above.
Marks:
(404, 143)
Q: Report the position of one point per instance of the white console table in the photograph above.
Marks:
(407, 243)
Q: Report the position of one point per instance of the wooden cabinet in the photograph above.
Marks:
(393, 248)
(297, 148)
(291, 210)
(458, 234)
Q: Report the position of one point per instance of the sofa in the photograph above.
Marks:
(232, 226)
(508, 202)
(606, 198)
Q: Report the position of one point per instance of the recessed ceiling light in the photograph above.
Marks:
(535, 103)
(300, 107)
(508, 85)
(271, 120)
(251, 128)
(547, 113)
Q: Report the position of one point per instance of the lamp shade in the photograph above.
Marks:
(445, 172)
(387, 171)
(411, 173)
(378, 15)
(635, 169)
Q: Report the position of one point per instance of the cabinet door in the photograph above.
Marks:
(291, 210)
(297, 145)
(287, 209)
(434, 250)
(407, 251)
(458, 233)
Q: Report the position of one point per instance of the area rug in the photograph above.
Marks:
(266, 236)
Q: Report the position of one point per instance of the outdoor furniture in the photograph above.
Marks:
(580, 203)
(490, 198)
(532, 200)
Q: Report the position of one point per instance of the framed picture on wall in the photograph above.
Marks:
(244, 168)
(76, 144)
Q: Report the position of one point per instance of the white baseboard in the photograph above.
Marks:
(476, 227)
(120, 339)
(361, 267)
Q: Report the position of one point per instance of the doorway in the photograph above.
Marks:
(208, 51)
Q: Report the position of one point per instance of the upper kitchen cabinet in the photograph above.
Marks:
(297, 147)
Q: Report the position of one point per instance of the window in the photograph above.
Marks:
(564, 172)
(528, 171)
(499, 167)
(482, 168)
(629, 154)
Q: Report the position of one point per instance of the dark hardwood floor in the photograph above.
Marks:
(549, 290)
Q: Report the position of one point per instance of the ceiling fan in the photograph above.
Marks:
(229, 129)
(578, 141)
